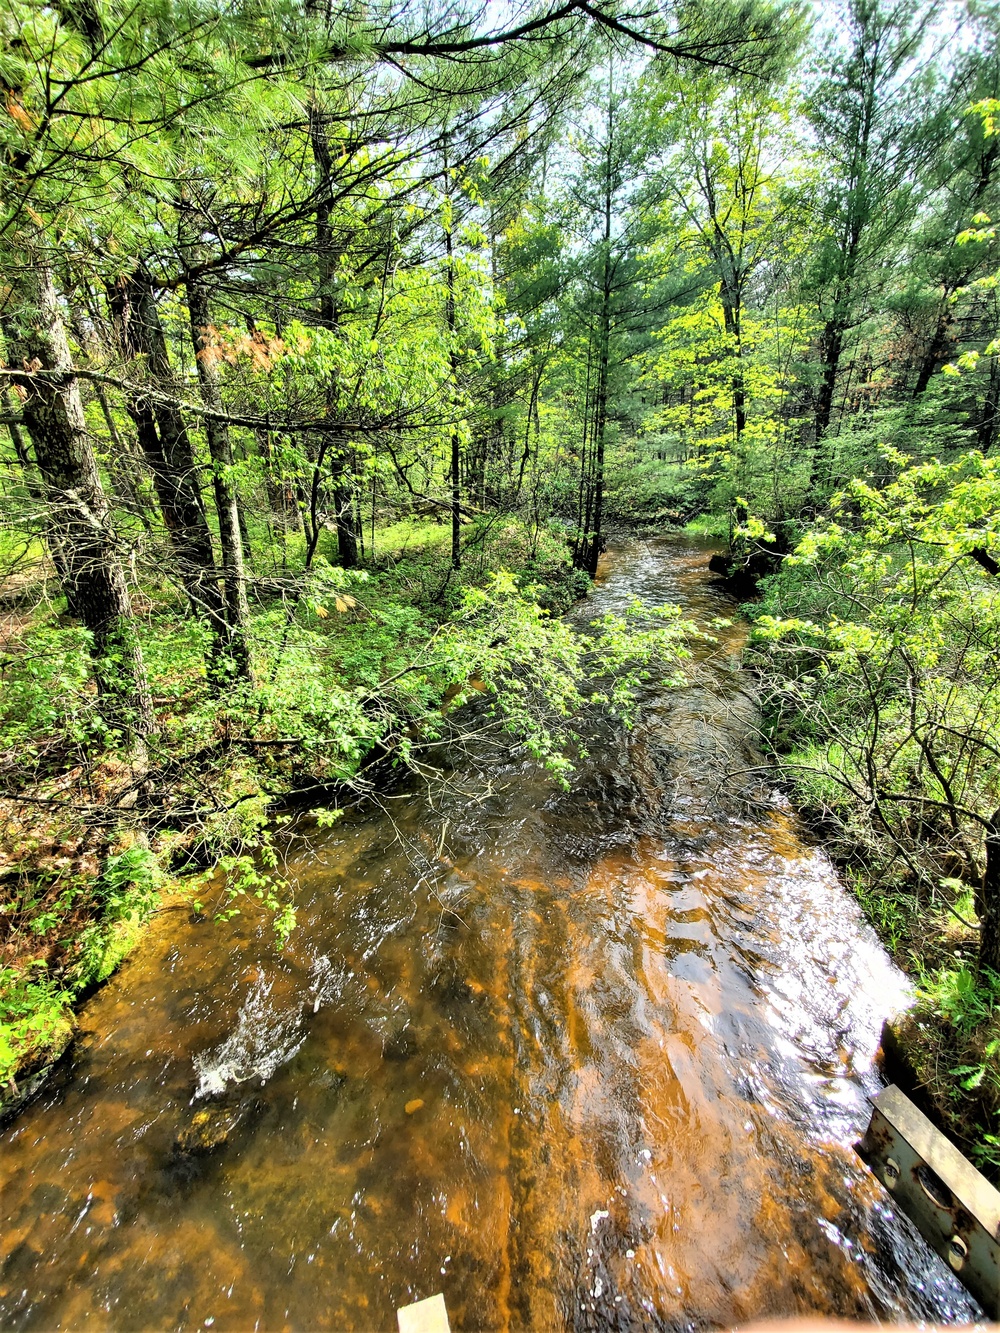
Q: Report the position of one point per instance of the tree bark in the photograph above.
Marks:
(343, 499)
(83, 542)
(456, 449)
(600, 430)
(936, 352)
(166, 447)
(226, 498)
(593, 548)
(986, 432)
(732, 316)
(37, 494)
(855, 221)
(988, 901)
(983, 558)
(831, 350)
(329, 314)
(583, 489)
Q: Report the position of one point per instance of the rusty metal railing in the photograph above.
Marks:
(954, 1207)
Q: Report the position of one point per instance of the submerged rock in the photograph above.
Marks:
(400, 1045)
(211, 1128)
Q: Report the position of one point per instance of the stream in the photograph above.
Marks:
(581, 1060)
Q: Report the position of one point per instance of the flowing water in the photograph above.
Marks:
(585, 1060)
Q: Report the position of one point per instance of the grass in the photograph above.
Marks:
(890, 914)
(35, 1020)
(411, 535)
(709, 525)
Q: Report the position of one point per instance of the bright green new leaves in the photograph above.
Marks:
(877, 644)
(701, 368)
(542, 674)
(374, 674)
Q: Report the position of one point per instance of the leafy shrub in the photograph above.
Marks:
(876, 645)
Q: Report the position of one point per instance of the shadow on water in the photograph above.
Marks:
(585, 1060)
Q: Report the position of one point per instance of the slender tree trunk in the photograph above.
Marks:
(343, 499)
(832, 349)
(988, 901)
(936, 352)
(326, 265)
(601, 423)
(989, 419)
(732, 315)
(583, 489)
(531, 418)
(456, 502)
(226, 498)
(283, 512)
(456, 452)
(834, 334)
(79, 518)
(167, 450)
(601, 401)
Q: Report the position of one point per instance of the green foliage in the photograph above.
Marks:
(451, 317)
(255, 876)
(45, 689)
(890, 913)
(35, 1021)
(126, 893)
(876, 646)
(966, 1000)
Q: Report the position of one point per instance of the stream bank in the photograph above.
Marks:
(93, 840)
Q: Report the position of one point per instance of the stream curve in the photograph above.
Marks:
(580, 1060)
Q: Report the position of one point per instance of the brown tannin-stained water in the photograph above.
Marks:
(584, 1060)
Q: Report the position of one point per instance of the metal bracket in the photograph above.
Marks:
(954, 1207)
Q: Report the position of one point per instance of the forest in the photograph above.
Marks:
(338, 341)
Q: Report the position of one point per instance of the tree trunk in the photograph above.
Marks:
(986, 432)
(832, 349)
(326, 265)
(936, 352)
(456, 452)
(343, 500)
(82, 539)
(137, 321)
(732, 315)
(988, 901)
(600, 431)
(583, 489)
(37, 494)
(226, 498)
(601, 403)
(856, 220)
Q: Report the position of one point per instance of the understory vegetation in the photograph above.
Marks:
(877, 649)
(334, 340)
